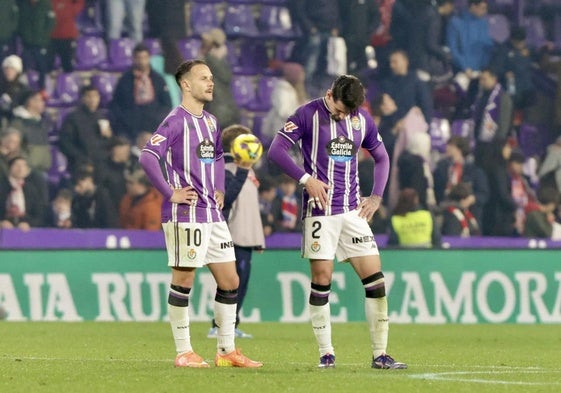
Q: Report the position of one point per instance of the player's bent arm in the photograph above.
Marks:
(151, 166)
(381, 169)
(278, 153)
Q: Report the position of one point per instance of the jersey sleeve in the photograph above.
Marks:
(162, 138)
(294, 127)
(372, 138)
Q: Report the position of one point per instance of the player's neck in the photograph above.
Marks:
(193, 107)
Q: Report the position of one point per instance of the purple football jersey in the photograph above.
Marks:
(190, 147)
(330, 148)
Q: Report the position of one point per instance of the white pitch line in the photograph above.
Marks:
(450, 377)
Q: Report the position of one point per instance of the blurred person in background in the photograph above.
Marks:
(85, 134)
(36, 22)
(92, 206)
(214, 52)
(140, 206)
(141, 98)
(458, 220)
(65, 31)
(12, 87)
(9, 19)
(410, 225)
(19, 205)
(540, 221)
(118, 12)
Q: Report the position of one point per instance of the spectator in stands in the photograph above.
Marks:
(456, 168)
(405, 87)
(427, 49)
(111, 174)
(512, 62)
(166, 19)
(414, 168)
(411, 226)
(140, 207)
(214, 51)
(360, 19)
(318, 20)
(85, 134)
(10, 147)
(141, 98)
(469, 39)
(65, 32)
(117, 11)
(520, 191)
(19, 205)
(539, 222)
(92, 206)
(36, 22)
(141, 141)
(458, 220)
(287, 95)
(384, 112)
(267, 194)
(60, 213)
(9, 19)
(12, 87)
(493, 119)
(287, 206)
(550, 169)
(30, 118)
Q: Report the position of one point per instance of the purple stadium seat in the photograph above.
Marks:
(248, 57)
(243, 89)
(59, 166)
(499, 27)
(274, 21)
(204, 17)
(530, 140)
(464, 128)
(189, 47)
(66, 90)
(265, 88)
(239, 21)
(283, 50)
(105, 84)
(90, 53)
(535, 31)
(439, 131)
(119, 56)
(154, 46)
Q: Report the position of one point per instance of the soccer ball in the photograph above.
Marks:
(246, 148)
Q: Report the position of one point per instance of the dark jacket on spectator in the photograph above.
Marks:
(34, 205)
(94, 211)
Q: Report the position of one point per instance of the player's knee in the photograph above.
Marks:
(374, 285)
(319, 294)
(226, 296)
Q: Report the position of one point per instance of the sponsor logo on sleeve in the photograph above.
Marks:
(157, 140)
(290, 126)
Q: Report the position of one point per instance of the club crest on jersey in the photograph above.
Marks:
(192, 254)
(210, 125)
(206, 151)
(157, 139)
(315, 247)
(341, 149)
(290, 126)
(355, 123)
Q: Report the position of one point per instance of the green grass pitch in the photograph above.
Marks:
(138, 357)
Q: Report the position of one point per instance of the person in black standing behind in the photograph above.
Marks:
(92, 206)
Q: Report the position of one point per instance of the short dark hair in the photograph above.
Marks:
(440, 3)
(86, 89)
(476, 2)
(349, 90)
(406, 202)
(518, 33)
(460, 191)
(185, 68)
(461, 143)
(230, 133)
(140, 47)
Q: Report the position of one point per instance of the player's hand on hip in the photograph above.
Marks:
(368, 206)
(219, 196)
(317, 190)
(186, 195)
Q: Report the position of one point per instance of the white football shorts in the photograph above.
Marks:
(196, 244)
(343, 236)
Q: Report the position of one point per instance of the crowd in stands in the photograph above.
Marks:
(463, 92)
